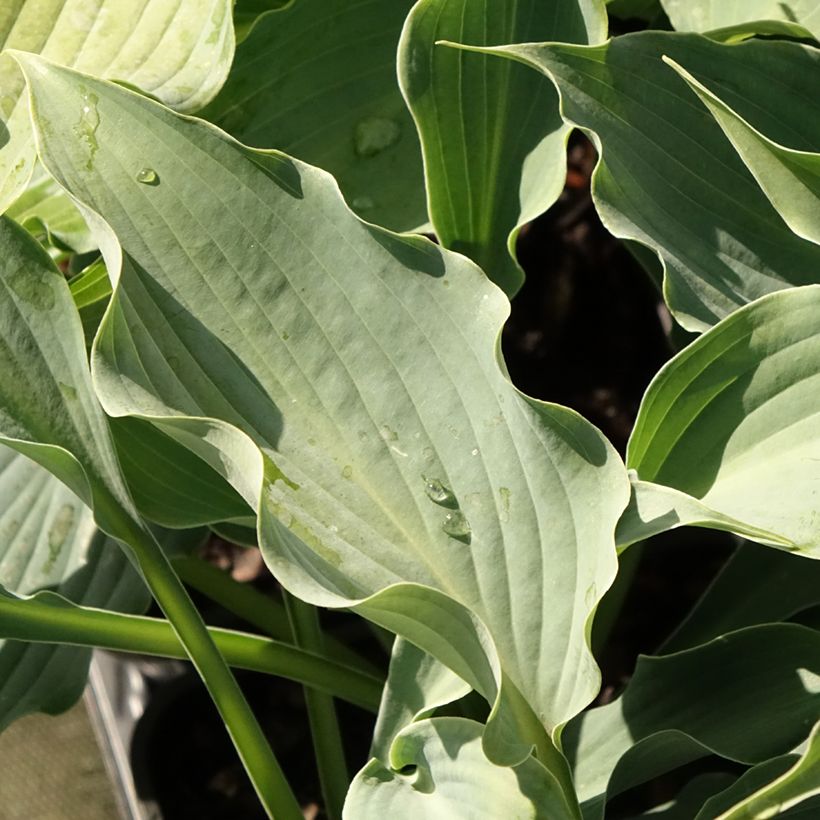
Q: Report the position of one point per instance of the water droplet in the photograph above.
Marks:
(438, 492)
(347, 472)
(504, 494)
(474, 451)
(387, 434)
(374, 135)
(429, 454)
(363, 203)
(285, 336)
(69, 392)
(456, 526)
(86, 127)
(147, 176)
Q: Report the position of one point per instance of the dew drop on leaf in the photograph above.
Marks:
(374, 135)
(438, 492)
(147, 176)
(86, 127)
(456, 526)
(347, 472)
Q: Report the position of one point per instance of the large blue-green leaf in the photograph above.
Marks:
(667, 176)
(346, 381)
(318, 79)
(494, 142)
(179, 52)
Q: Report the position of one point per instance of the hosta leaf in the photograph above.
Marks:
(45, 203)
(732, 420)
(493, 140)
(796, 18)
(790, 178)
(756, 697)
(178, 52)
(416, 685)
(247, 12)
(690, 798)
(668, 178)
(763, 585)
(48, 539)
(169, 484)
(91, 290)
(346, 381)
(48, 410)
(318, 79)
(451, 777)
(770, 789)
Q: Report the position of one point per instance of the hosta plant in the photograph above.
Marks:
(221, 308)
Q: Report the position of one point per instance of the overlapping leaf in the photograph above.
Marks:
(669, 179)
(763, 585)
(451, 777)
(771, 789)
(748, 696)
(493, 139)
(789, 177)
(179, 52)
(318, 79)
(732, 422)
(346, 381)
(795, 18)
(48, 539)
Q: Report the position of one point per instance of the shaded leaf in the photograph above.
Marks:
(668, 178)
(48, 540)
(763, 586)
(317, 79)
(789, 177)
(748, 696)
(493, 140)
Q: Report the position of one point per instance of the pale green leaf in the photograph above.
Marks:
(48, 539)
(732, 421)
(667, 176)
(335, 373)
(493, 140)
(796, 18)
(45, 203)
(178, 52)
(318, 79)
(48, 409)
(417, 684)
(451, 777)
(789, 177)
(748, 696)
